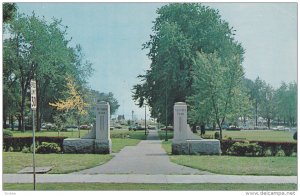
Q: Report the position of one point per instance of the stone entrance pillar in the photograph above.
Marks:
(185, 141)
(103, 141)
(180, 122)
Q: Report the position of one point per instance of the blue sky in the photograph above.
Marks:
(112, 34)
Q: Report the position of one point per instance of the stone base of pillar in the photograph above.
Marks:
(82, 146)
(102, 147)
(201, 147)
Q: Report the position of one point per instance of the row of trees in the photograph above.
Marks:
(277, 106)
(34, 48)
(195, 59)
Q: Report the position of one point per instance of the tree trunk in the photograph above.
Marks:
(79, 127)
(214, 126)
(4, 119)
(194, 128)
(11, 122)
(202, 127)
(269, 120)
(19, 122)
(22, 112)
(256, 115)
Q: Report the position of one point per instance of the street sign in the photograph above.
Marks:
(33, 94)
(33, 107)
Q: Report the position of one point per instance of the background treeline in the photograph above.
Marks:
(34, 48)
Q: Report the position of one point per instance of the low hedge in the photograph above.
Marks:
(273, 148)
(18, 143)
(46, 148)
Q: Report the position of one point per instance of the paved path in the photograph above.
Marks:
(142, 178)
(148, 157)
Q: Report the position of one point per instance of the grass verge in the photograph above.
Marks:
(118, 143)
(128, 186)
(61, 163)
(234, 165)
(255, 135)
(162, 135)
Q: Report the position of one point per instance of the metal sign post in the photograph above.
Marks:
(33, 108)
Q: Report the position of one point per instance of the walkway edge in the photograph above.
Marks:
(141, 178)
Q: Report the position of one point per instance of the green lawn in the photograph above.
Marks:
(118, 143)
(162, 134)
(255, 135)
(61, 163)
(285, 166)
(145, 187)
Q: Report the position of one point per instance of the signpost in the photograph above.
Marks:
(33, 108)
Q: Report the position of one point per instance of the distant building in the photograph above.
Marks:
(121, 119)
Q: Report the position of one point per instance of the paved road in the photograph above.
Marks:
(148, 157)
(142, 178)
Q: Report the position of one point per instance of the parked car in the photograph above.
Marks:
(233, 128)
(261, 128)
(151, 127)
(139, 127)
(118, 127)
(85, 127)
(132, 127)
(169, 128)
(48, 126)
(280, 128)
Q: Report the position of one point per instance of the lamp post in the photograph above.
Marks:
(166, 136)
(145, 121)
(132, 117)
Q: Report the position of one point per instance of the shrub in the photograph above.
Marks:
(295, 136)
(10, 149)
(7, 133)
(280, 153)
(46, 148)
(18, 143)
(268, 152)
(287, 147)
(217, 135)
(272, 147)
(26, 150)
(245, 148)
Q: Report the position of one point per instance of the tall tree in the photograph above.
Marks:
(9, 11)
(180, 31)
(217, 86)
(93, 96)
(286, 103)
(39, 49)
(73, 103)
(267, 109)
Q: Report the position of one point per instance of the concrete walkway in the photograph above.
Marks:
(142, 178)
(148, 157)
